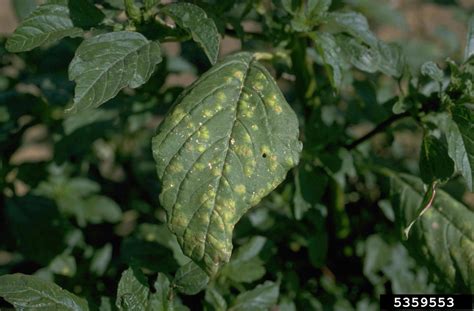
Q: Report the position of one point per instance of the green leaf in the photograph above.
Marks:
(215, 299)
(392, 61)
(105, 64)
(84, 14)
(435, 163)
(28, 215)
(331, 55)
(64, 265)
(190, 279)
(229, 141)
(161, 300)
(27, 292)
(363, 57)
(101, 259)
(202, 28)
(132, 292)
(262, 297)
(469, 50)
(23, 8)
(246, 266)
(354, 24)
(47, 24)
(460, 137)
(99, 208)
(432, 70)
(443, 239)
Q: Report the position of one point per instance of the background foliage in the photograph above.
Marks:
(387, 135)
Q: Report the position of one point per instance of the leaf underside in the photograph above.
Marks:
(229, 141)
(443, 238)
(47, 24)
(105, 64)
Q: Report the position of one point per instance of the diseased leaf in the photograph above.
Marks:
(26, 292)
(460, 137)
(202, 28)
(469, 50)
(262, 297)
(190, 279)
(435, 163)
(443, 239)
(47, 24)
(105, 64)
(229, 141)
(132, 292)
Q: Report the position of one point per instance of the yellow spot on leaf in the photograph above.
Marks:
(240, 189)
(238, 74)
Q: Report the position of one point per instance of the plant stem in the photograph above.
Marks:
(379, 128)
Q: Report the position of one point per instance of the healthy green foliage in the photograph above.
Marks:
(229, 140)
(461, 142)
(47, 24)
(32, 293)
(202, 28)
(105, 64)
(435, 163)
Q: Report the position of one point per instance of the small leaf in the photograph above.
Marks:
(132, 292)
(215, 299)
(392, 61)
(26, 292)
(229, 141)
(443, 239)
(246, 266)
(101, 259)
(63, 265)
(432, 70)
(262, 297)
(354, 24)
(202, 28)
(190, 279)
(47, 24)
(331, 53)
(460, 137)
(469, 51)
(363, 57)
(105, 64)
(435, 163)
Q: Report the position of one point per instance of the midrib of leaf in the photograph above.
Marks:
(107, 69)
(244, 80)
